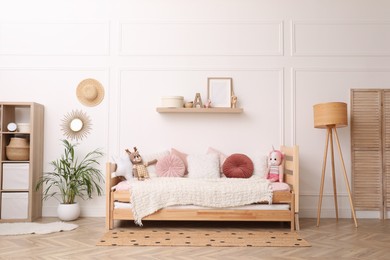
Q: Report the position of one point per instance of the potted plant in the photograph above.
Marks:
(72, 178)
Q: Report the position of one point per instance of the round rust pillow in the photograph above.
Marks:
(238, 166)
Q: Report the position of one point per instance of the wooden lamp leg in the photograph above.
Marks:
(323, 177)
(346, 179)
(333, 172)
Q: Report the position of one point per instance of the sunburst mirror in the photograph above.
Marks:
(76, 125)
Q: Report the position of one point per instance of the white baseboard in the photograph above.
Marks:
(51, 211)
(325, 213)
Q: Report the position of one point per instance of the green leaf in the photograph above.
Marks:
(72, 178)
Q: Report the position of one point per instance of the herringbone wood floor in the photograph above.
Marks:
(371, 240)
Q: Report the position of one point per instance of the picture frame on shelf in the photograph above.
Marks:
(220, 91)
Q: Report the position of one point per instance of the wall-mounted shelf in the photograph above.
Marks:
(225, 110)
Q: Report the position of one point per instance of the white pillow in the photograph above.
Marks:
(203, 166)
(124, 167)
(260, 163)
(222, 156)
(150, 157)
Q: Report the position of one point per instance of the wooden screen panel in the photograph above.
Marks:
(366, 141)
(386, 150)
(366, 120)
(367, 180)
(386, 181)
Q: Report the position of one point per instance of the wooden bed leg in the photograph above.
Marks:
(297, 222)
(292, 225)
(110, 182)
(292, 222)
(292, 209)
(111, 215)
(109, 211)
(108, 194)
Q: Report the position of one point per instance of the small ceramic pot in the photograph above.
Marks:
(189, 104)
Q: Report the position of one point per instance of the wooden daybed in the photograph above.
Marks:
(279, 197)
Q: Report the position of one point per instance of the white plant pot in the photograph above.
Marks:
(68, 212)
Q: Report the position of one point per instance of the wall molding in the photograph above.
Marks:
(343, 52)
(279, 51)
(86, 51)
(56, 68)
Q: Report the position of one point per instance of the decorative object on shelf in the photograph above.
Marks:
(18, 149)
(234, 101)
(12, 127)
(90, 92)
(23, 127)
(208, 104)
(331, 116)
(76, 125)
(198, 101)
(189, 104)
(71, 178)
(172, 101)
(219, 91)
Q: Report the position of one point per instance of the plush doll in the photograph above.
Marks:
(139, 167)
(275, 168)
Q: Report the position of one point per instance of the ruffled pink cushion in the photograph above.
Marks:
(182, 156)
(170, 166)
(238, 166)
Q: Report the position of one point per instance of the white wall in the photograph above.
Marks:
(284, 56)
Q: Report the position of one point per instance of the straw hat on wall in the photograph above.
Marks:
(90, 92)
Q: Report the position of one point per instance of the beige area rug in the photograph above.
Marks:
(156, 237)
(23, 228)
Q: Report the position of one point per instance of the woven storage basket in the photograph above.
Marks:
(18, 149)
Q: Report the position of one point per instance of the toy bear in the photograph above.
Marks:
(139, 167)
(275, 168)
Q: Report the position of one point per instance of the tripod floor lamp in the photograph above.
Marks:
(330, 116)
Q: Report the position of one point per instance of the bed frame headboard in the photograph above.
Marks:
(291, 170)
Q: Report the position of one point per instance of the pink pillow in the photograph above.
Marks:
(238, 166)
(170, 166)
(123, 185)
(183, 157)
(280, 186)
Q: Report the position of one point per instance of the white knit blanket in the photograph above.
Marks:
(153, 194)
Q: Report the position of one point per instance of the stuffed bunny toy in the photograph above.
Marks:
(275, 168)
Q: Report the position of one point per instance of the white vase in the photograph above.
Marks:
(68, 212)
